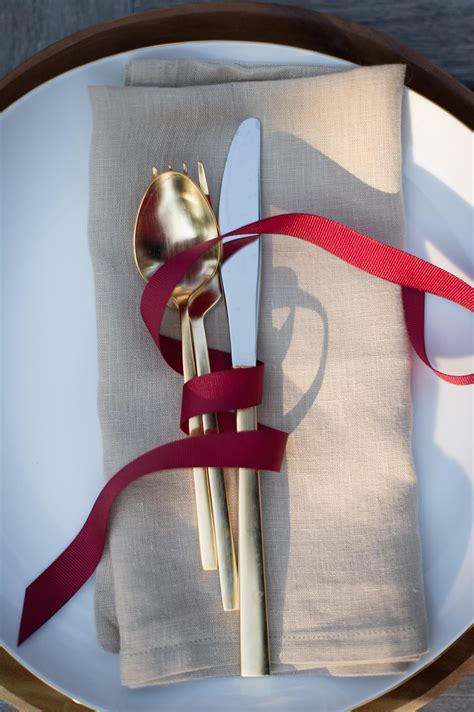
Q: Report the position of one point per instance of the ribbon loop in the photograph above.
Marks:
(220, 391)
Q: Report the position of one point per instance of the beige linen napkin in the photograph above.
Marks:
(345, 590)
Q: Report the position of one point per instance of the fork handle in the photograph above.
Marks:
(207, 544)
(226, 559)
(254, 644)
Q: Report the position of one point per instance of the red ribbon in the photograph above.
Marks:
(226, 389)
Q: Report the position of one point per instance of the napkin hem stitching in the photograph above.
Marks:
(289, 637)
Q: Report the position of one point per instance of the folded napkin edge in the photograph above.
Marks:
(395, 68)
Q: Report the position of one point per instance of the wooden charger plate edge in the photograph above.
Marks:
(244, 22)
(276, 24)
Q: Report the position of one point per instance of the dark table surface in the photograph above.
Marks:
(441, 30)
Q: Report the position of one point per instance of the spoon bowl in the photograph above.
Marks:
(173, 215)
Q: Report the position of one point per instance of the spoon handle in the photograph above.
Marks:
(207, 542)
(227, 563)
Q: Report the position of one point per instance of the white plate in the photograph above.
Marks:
(50, 380)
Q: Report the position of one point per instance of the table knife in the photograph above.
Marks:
(240, 204)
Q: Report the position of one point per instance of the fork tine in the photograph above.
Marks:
(203, 181)
(202, 178)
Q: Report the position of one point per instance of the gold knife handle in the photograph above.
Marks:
(254, 643)
(207, 543)
(226, 559)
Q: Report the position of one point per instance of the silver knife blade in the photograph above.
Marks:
(240, 204)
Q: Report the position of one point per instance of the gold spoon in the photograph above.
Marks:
(174, 214)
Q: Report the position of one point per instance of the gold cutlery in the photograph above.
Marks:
(198, 307)
(174, 214)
